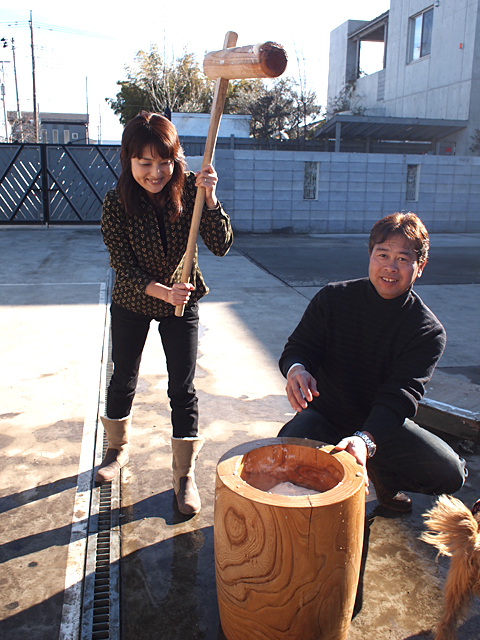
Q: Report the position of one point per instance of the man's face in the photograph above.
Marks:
(393, 267)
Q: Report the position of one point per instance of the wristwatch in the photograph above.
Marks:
(371, 446)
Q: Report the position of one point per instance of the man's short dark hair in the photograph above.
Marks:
(407, 224)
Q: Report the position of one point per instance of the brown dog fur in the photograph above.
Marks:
(455, 532)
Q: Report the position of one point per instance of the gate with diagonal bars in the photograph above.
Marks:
(50, 184)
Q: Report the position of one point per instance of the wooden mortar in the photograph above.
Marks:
(287, 567)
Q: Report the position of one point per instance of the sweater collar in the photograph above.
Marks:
(395, 303)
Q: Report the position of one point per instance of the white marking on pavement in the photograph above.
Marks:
(51, 284)
(72, 602)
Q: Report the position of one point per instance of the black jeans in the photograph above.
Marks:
(180, 343)
(411, 459)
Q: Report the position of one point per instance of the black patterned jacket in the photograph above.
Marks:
(137, 255)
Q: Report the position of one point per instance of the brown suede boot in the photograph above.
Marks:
(118, 438)
(394, 500)
(184, 453)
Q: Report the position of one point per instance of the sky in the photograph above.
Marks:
(82, 48)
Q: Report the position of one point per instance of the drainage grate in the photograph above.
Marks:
(101, 603)
(102, 586)
(101, 597)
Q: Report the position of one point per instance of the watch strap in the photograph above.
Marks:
(371, 446)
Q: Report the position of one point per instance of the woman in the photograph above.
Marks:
(145, 226)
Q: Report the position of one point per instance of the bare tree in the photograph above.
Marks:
(23, 128)
(306, 109)
(475, 146)
(153, 83)
(346, 100)
(276, 108)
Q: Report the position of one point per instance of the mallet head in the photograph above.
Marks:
(265, 60)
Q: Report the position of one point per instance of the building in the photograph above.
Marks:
(54, 128)
(427, 89)
(62, 128)
(196, 124)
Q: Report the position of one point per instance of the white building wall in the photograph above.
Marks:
(445, 84)
(430, 84)
(366, 91)
(342, 58)
(196, 124)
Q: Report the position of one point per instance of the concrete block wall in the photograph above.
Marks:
(263, 191)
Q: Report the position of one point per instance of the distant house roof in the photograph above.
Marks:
(64, 118)
(51, 118)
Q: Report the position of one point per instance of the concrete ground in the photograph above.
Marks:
(53, 314)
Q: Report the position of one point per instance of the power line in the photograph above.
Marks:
(52, 27)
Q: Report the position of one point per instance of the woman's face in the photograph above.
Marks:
(152, 172)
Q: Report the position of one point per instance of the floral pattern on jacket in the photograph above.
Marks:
(137, 255)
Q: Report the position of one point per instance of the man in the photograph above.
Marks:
(357, 365)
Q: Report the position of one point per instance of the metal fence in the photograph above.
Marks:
(55, 184)
(65, 184)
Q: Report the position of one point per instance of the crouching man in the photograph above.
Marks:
(357, 365)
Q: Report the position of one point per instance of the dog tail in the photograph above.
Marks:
(452, 527)
(454, 531)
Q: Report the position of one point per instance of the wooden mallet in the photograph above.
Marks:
(267, 60)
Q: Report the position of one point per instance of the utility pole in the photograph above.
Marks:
(4, 111)
(35, 110)
(19, 115)
(2, 90)
(87, 141)
(16, 82)
(99, 126)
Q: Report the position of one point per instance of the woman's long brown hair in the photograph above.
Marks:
(155, 132)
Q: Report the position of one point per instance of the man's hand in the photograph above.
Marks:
(356, 447)
(301, 387)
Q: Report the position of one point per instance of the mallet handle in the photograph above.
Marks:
(218, 104)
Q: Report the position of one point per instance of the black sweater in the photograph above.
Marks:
(371, 357)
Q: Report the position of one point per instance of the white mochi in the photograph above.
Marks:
(290, 489)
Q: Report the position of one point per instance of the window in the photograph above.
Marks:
(66, 136)
(55, 136)
(74, 136)
(413, 174)
(420, 35)
(310, 174)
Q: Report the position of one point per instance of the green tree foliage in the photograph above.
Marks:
(180, 85)
(271, 110)
(276, 109)
(130, 100)
(305, 112)
(239, 95)
(154, 84)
